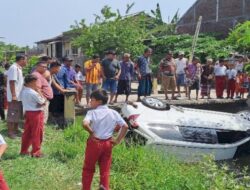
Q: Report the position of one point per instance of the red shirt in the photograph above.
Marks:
(43, 85)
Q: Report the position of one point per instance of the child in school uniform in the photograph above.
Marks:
(100, 123)
(3, 146)
(33, 103)
(231, 74)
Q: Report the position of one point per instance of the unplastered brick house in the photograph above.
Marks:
(61, 46)
(219, 16)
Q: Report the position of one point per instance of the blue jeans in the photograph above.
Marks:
(110, 85)
(90, 88)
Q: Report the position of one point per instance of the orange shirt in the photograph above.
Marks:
(93, 75)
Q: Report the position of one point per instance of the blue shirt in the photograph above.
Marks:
(143, 64)
(127, 70)
(55, 91)
(65, 76)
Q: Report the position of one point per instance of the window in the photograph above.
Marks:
(74, 51)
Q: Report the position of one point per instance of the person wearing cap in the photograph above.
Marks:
(144, 74)
(193, 72)
(43, 86)
(167, 69)
(207, 78)
(220, 78)
(66, 76)
(231, 74)
(62, 75)
(181, 63)
(92, 69)
(3, 147)
(14, 87)
(111, 70)
(127, 72)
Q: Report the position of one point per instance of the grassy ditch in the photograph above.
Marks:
(134, 168)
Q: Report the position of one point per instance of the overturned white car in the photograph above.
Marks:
(187, 133)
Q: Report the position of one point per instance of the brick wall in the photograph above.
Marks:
(230, 13)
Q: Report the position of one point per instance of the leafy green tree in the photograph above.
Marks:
(129, 33)
(207, 46)
(113, 32)
(240, 37)
(8, 52)
(157, 14)
(32, 61)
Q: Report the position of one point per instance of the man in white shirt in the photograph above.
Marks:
(14, 87)
(231, 74)
(220, 78)
(181, 63)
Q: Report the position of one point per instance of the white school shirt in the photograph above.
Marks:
(181, 64)
(32, 101)
(239, 66)
(231, 74)
(14, 73)
(220, 71)
(103, 121)
(2, 141)
(79, 76)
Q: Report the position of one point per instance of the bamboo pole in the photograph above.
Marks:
(196, 35)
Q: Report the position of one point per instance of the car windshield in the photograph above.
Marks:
(184, 133)
(169, 132)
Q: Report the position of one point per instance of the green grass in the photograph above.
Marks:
(134, 168)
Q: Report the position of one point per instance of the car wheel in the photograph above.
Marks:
(244, 115)
(155, 103)
(134, 139)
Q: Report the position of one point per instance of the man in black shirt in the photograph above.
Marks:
(111, 71)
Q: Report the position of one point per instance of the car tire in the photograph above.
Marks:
(134, 139)
(155, 103)
(244, 115)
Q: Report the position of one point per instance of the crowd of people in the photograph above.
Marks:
(226, 73)
(41, 92)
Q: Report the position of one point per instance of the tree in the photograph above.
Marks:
(8, 52)
(157, 14)
(239, 38)
(129, 33)
(207, 46)
(113, 32)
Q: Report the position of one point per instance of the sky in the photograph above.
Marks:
(23, 22)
